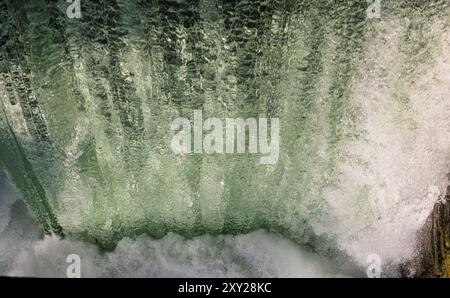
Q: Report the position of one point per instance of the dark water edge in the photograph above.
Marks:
(433, 249)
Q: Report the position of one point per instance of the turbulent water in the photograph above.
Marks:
(23, 252)
(87, 105)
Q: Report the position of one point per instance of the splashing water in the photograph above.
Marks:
(364, 114)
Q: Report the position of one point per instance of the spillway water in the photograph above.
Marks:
(87, 105)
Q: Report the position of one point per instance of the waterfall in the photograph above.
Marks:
(364, 142)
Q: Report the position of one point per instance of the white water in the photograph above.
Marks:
(258, 254)
(398, 170)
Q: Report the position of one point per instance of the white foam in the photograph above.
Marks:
(397, 170)
(258, 254)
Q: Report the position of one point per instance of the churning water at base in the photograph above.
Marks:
(23, 252)
(258, 254)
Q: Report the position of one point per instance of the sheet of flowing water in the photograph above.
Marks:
(363, 105)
